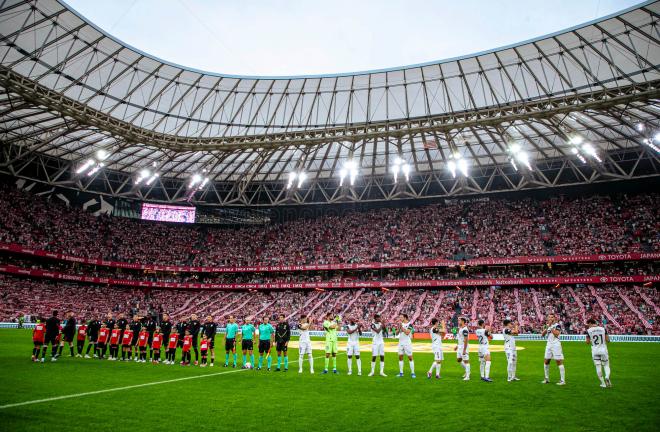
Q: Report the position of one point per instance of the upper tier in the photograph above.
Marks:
(491, 228)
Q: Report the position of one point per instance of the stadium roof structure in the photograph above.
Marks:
(80, 109)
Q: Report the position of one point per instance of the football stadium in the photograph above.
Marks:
(461, 244)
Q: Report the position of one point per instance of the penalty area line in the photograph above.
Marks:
(115, 389)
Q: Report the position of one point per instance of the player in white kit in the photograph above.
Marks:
(438, 332)
(483, 336)
(462, 347)
(405, 345)
(510, 332)
(377, 345)
(553, 350)
(305, 345)
(353, 346)
(598, 338)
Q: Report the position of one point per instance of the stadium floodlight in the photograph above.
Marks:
(400, 166)
(591, 151)
(153, 177)
(301, 178)
(292, 178)
(196, 178)
(520, 155)
(84, 167)
(350, 170)
(640, 127)
(576, 152)
(101, 155)
(452, 168)
(95, 169)
(576, 140)
(649, 143)
(463, 166)
(657, 137)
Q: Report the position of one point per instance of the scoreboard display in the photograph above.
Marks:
(168, 213)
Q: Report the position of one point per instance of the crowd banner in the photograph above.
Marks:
(345, 284)
(18, 249)
(368, 335)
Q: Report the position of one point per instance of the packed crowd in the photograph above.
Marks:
(624, 309)
(493, 228)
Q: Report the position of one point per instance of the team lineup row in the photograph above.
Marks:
(132, 341)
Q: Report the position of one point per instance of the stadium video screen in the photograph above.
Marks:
(167, 213)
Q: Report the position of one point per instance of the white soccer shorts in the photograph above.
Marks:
(459, 355)
(353, 349)
(378, 349)
(437, 355)
(600, 357)
(554, 352)
(305, 348)
(405, 349)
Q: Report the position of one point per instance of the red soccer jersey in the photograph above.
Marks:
(187, 343)
(157, 341)
(39, 333)
(127, 338)
(174, 338)
(104, 333)
(114, 337)
(204, 345)
(59, 336)
(143, 338)
(82, 332)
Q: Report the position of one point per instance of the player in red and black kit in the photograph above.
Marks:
(172, 343)
(126, 344)
(143, 341)
(52, 333)
(38, 335)
(204, 348)
(193, 327)
(187, 344)
(156, 343)
(115, 339)
(102, 341)
(80, 340)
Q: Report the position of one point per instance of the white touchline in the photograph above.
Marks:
(77, 395)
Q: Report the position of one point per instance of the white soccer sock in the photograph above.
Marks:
(437, 368)
(562, 373)
(373, 366)
(467, 370)
(482, 366)
(546, 370)
(382, 367)
(432, 367)
(514, 363)
(350, 365)
(359, 365)
(300, 362)
(599, 372)
(488, 369)
(606, 368)
(311, 362)
(401, 366)
(411, 363)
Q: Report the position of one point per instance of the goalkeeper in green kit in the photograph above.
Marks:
(330, 325)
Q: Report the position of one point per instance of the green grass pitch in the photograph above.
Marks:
(251, 400)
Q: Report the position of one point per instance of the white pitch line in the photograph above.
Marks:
(77, 395)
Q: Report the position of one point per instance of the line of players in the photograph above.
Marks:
(134, 339)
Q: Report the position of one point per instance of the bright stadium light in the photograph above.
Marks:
(591, 151)
(649, 143)
(292, 178)
(576, 140)
(640, 127)
(301, 177)
(350, 170)
(520, 155)
(463, 166)
(153, 177)
(196, 178)
(95, 169)
(576, 152)
(400, 166)
(101, 155)
(452, 168)
(84, 167)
